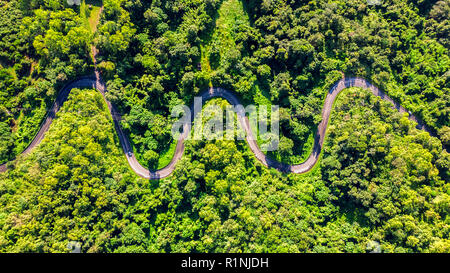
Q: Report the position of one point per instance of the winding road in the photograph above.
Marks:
(95, 82)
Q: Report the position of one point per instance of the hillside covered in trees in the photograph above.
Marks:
(379, 181)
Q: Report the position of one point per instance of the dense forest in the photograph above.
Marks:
(380, 183)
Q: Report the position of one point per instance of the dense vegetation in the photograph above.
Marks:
(270, 52)
(41, 48)
(380, 181)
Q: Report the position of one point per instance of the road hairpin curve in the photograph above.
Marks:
(95, 82)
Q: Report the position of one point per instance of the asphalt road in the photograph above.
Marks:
(95, 82)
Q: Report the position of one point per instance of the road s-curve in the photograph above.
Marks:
(95, 82)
